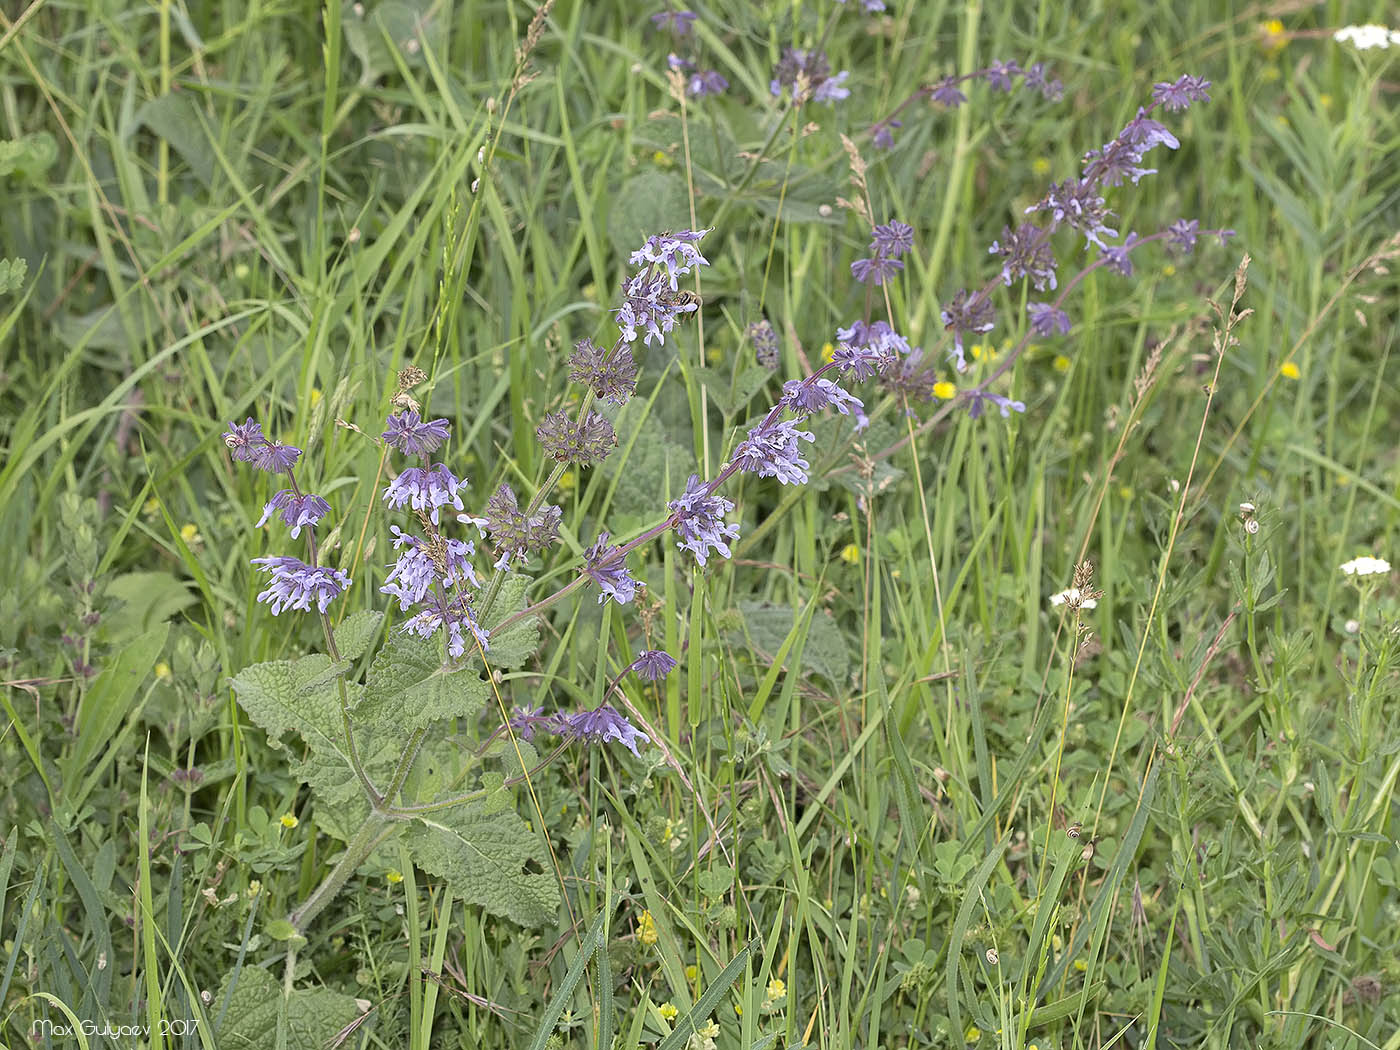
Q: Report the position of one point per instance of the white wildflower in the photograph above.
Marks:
(1366, 566)
(1074, 598)
(1364, 38)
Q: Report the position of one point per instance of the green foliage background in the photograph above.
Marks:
(880, 734)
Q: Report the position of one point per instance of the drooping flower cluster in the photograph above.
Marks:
(292, 583)
(698, 518)
(612, 376)
(426, 490)
(515, 533)
(947, 92)
(587, 440)
(596, 727)
(681, 26)
(651, 302)
(608, 569)
(771, 451)
(407, 432)
(888, 243)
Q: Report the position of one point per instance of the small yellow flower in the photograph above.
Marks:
(646, 929)
(567, 481)
(1289, 370)
(393, 878)
(1061, 363)
(944, 390)
(828, 352)
(739, 1009)
(1041, 165)
(1324, 100)
(1272, 38)
(661, 159)
(980, 351)
(1169, 270)
(241, 271)
(1125, 493)
(151, 507)
(289, 820)
(1080, 965)
(189, 532)
(163, 671)
(714, 355)
(691, 973)
(972, 1034)
(668, 1011)
(254, 888)
(776, 988)
(709, 1031)
(850, 554)
(315, 397)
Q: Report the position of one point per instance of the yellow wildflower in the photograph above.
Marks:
(944, 390)
(151, 507)
(776, 988)
(850, 554)
(393, 878)
(828, 352)
(972, 1034)
(691, 973)
(668, 1011)
(646, 929)
(1169, 270)
(1272, 38)
(189, 532)
(567, 481)
(661, 159)
(289, 820)
(162, 670)
(1289, 370)
(1061, 363)
(1041, 165)
(315, 398)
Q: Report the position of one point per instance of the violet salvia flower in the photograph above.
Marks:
(892, 239)
(677, 23)
(966, 313)
(771, 451)
(872, 7)
(609, 571)
(648, 305)
(1180, 93)
(515, 534)
(1116, 255)
(588, 440)
(706, 82)
(407, 432)
(674, 252)
(882, 134)
(947, 93)
(295, 585)
(1182, 234)
(765, 343)
(244, 440)
(977, 400)
(605, 724)
(1026, 252)
(1049, 87)
(798, 69)
(875, 271)
(275, 458)
(653, 665)
(1047, 320)
(419, 566)
(459, 621)
(999, 75)
(699, 520)
(426, 489)
(806, 396)
(296, 510)
(1077, 203)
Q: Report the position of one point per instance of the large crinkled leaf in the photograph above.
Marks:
(314, 1015)
(824, 652)
(409, 687)
(512, 647)
(276, 696)
(356, 631)
(341, 805)
(484, 857)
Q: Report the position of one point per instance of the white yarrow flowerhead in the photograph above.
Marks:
(1366, 566)
(1074, 598)
(1364, 38)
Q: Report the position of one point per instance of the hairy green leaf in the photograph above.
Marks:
(314, 1015)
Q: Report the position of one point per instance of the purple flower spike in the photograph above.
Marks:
(700, 521)
(947, 93)
(613, 579)
(892, 239)
(244, 440)
(653, 665)
(1180, 93)
(408, 433)
(296, 510)
(707, 82)
(966, 313)
(875, 271)
(806, 396)
(1046, 320)
(605, 724)
(677, 23)
(977, 400)
(295, 585)
(1026, 252)
(882, 134)
(1182, 234)
(999, 75)
(426, 489)
(771, 451)
(275, 458)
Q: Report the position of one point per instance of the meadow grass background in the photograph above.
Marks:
(267, 208)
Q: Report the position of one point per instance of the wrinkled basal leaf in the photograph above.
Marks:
(354, 633)
(314, 1015)
(483, 857)
(825, 651)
